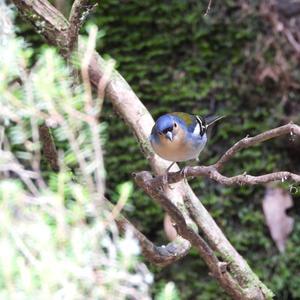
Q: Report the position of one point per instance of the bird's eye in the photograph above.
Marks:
(175, 125)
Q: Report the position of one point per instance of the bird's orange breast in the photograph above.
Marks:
(175, 150)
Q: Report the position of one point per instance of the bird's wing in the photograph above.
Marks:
(188, 119)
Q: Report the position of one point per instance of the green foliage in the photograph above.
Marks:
(57, 239)
(49, 251)
(168, 293)
(178, 60)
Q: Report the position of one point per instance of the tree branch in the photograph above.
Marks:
(251, 141)
(240, 281)
(208, 8)
(48, 147)
(158, 255)
(213, 171)
(238, 266)
(79, 13)
(47, 21)
(218, 268)
(55, 29)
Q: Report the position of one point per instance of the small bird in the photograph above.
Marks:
(180, 136)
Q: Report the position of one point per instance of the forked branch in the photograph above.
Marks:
(79, 13)
(238, 279)
(213, 171)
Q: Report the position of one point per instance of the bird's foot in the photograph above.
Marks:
(183, 172)
(165, 181)
(170, 166)
(165, 177)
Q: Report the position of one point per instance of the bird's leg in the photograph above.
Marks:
(165, 176)
(184, 170)
(196, 161)
(183, 173)
(170, 166)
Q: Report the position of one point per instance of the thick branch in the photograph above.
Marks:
(243, 284)
(47, 20)
(238, 289)
(79, 12)
(237, 265)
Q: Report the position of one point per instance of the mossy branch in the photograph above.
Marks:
(79, 13)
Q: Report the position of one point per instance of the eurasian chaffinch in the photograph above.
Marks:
(179, 136)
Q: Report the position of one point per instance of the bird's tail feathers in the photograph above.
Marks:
(212, 119)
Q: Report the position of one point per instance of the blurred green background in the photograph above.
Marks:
(231, 62)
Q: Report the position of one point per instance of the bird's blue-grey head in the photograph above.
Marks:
(164, 126)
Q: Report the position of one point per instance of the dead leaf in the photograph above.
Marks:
(268, 72)
(170, 231)
(275, 204)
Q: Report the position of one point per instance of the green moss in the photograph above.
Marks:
(177, 60)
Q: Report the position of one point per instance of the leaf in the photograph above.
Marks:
(169, 292)
(268, 72)
(169, 229)
(275, 204)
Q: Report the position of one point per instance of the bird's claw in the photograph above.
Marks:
(183, 173)
(165, 181)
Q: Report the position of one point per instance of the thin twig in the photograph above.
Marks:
(22, 247)
(49, 148)
(208, 8)
(158, 255)
(251, 141)
(213, 171)
(11, 164)
(93, 110)
(88, 97)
